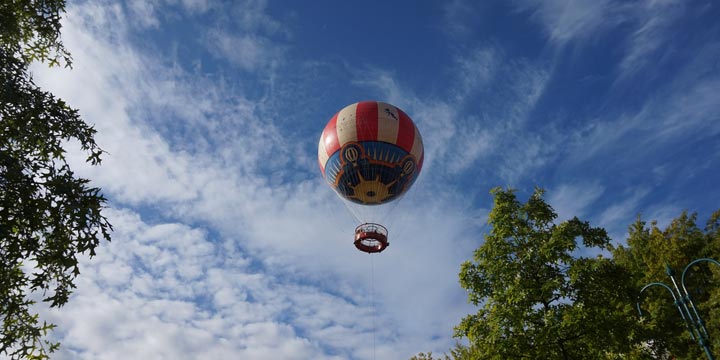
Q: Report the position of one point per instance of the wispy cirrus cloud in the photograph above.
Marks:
(654, 27)
(143, 13)
(619, 212)
(566, 20)
(227, 236)
(165, 290)
(247, 51)
(476, 70)
(486, 117)
(459, 17)
(682, 111)
(574, 199)
(150, 14)
(209, 245)
(247, 36)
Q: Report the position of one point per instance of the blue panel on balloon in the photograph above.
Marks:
(371, 172)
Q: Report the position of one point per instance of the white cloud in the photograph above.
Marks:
(245, 35)
(197, 5)
(143, 13)
(181, 295)
(684, 110)
(473, 142)
(217, 254)
(458, 16)
(691, 112)
(565, 20)
(476, 70)
(497, 134)
(571, 200)
(234, 265)
(663, 215)
(250, 52)
(616, 215)
(252, 15)
(182, 298)
(654, 20)
(572, 20)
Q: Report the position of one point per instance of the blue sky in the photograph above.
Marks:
(228, 244)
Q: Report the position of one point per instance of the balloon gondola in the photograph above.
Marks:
(371, 238)
(370, 153)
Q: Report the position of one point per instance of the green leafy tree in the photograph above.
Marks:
(425, 356)
(48, 215)
(538, 297)
(539, 300)
(647, 254)
(459, 352)
(30, 29)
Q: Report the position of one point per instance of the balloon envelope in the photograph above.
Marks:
(370, 152)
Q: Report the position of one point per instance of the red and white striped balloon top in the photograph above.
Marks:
(370, 121)
(370, 152)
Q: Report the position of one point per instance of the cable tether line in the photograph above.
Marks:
(372, 299)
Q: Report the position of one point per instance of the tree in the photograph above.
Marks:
(459, 352)
(30, 29)
(538, 297)
(648, 251)
(48, 216)
(540, 300)
(424, 356)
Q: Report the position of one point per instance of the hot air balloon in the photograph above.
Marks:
(370, 153)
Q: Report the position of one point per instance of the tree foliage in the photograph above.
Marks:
(647, 255)
(539, 297)
(31, 30)
(48, 215)
(459, 352)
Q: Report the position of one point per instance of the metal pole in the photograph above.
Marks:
(699, 323)
(693, 321)
(675, 301)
